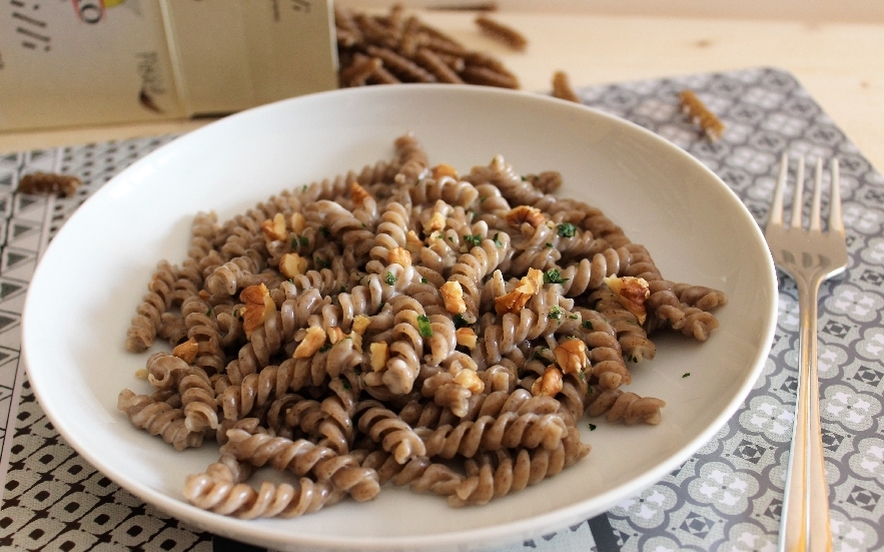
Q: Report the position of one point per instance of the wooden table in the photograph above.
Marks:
(840, 64)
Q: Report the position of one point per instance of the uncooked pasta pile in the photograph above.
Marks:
(402, 325)
(396, 47)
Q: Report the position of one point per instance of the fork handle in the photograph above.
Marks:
(805, 524)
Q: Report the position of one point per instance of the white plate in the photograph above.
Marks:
(93, 274)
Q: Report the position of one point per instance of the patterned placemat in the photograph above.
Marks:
(727, 497)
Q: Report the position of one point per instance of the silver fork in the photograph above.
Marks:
(810, 256)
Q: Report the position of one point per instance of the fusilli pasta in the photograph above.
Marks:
(403, 324)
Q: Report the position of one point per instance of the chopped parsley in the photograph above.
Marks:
(567, 230)
(321, 263)
(389, 279)
(587, 325)
(325, 347)
(423, 326)
(460, 321)
(555, 313)
(592, 427)
(324, 231)
(686, 374)
(496, 239)
(475, 239)
(553, 276)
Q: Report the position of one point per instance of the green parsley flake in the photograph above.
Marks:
(460, 321)
(553, 276)
(475, 240)
(567, 230)
(423, 325)
(686, 374)
(555, 313)
(389, 279)
(321, 263)
(496, 239)
(592, 427)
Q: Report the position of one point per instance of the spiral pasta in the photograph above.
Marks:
(402, 323)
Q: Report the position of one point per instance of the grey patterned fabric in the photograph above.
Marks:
(727, 497)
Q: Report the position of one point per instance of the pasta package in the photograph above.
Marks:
(401, 325)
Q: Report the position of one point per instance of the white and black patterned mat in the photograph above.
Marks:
(727, 497)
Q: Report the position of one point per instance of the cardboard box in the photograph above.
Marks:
(86, 62)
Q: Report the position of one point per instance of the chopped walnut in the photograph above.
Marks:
(571, 356)
(549, 384)
(274, 229)
(258, 306)
(400, 256)
(312, 342)
(358, 194)
(466, 337)
(469, 379)
(187, 350)
(452, 296)
(379, 354)
(413, 243)
(631, 293)
(360, 323)
(335, 334)
(292, 264)
(297, 222)
(436, 222)
(444, 169)
(525, 213)
(515, 300)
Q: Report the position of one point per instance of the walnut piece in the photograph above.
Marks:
(470, 380)
(444, 169)
(297, 222)
(466, 337)
(452, 296)
(525, 213)
(571, 356)
(274, 229)
(549, 384)
(258, 306)
(335, 334)
(379, 354)
(436, 223)
(631, 293)
(413, 243)
(292, 264)
(400, 256)
(186, 350)
(312, 342)
(358, 194)
(515, 300)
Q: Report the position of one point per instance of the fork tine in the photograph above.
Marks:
(815, 198)
(775, 218)
(835, 221)
(798, 196)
